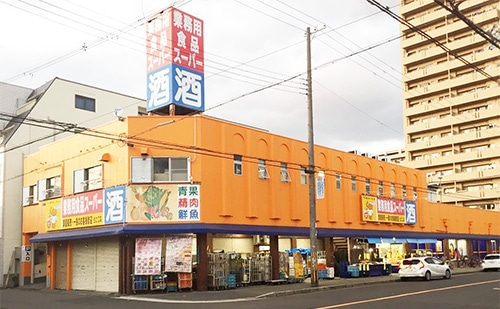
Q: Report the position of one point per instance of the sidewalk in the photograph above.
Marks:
(265, 290)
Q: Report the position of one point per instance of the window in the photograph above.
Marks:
(49, 188)
(238, 165)
(303, 176)
(30, 195)
(262, 170)
(380, 188)
(87, 179)
(367, 186)
(160, 169)
(393, 190)
(353, 183)
(85, 103)
(414, 193)
(338, 182)
(284, 175)
(403, 188)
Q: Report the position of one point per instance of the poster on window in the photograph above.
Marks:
(178, 254)
(147, 256)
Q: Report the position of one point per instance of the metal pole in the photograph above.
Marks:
(312, 192)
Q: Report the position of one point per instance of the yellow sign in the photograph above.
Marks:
(369, 208)
(82, 221)
(53, 214)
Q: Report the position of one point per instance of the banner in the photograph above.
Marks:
(178, 254)
(147, 256)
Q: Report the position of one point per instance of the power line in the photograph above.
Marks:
(456, 12)
(429, 38)
(161, 144)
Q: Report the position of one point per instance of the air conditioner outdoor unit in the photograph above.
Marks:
(285, 176)
(263, 174)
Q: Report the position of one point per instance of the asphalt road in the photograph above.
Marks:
(473, 290)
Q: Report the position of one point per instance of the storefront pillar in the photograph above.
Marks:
(51, 266)
(202, 267)
(468, 248)
(26, 275)
(125, 265)
(294, 242)
(329, 251)
(69, 268)
(446, 248)
(275, 257)
(489, 247)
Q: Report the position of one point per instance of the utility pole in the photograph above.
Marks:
(313, 237)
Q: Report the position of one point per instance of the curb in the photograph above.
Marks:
(341, 286)
(324, 288)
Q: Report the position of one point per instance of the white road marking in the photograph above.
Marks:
(157, 300)
(405, 294)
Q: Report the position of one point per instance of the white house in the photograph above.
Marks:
(30, 118)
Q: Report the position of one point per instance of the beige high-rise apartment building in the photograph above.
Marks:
(452, 106)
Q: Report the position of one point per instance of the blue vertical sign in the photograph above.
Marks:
(114, 205)
(410, 212)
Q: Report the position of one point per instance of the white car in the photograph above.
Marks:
(491, 261)
(426, 267)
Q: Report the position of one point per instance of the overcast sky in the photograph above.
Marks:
(249, 45)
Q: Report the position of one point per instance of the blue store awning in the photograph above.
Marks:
(393, 240)
(397, 240)
(77, 234)
(422, 240)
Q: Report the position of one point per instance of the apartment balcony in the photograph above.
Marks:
(408, 8)
(457, 138)
(458, 82)
(431, 17)
(414, 7)
(456, 27)
(466, 157)
(442, 68)
(468, 98)
(460, 177)
(447, 122)
(434, 51)
(435, 14)
(463, 196)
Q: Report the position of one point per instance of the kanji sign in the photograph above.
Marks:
(382, 209)
(175, 61)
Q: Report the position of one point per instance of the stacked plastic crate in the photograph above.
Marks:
(185, 280)
(140, 282)
(158, 282)
(322, 273)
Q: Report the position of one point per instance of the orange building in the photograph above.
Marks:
(108, 195)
